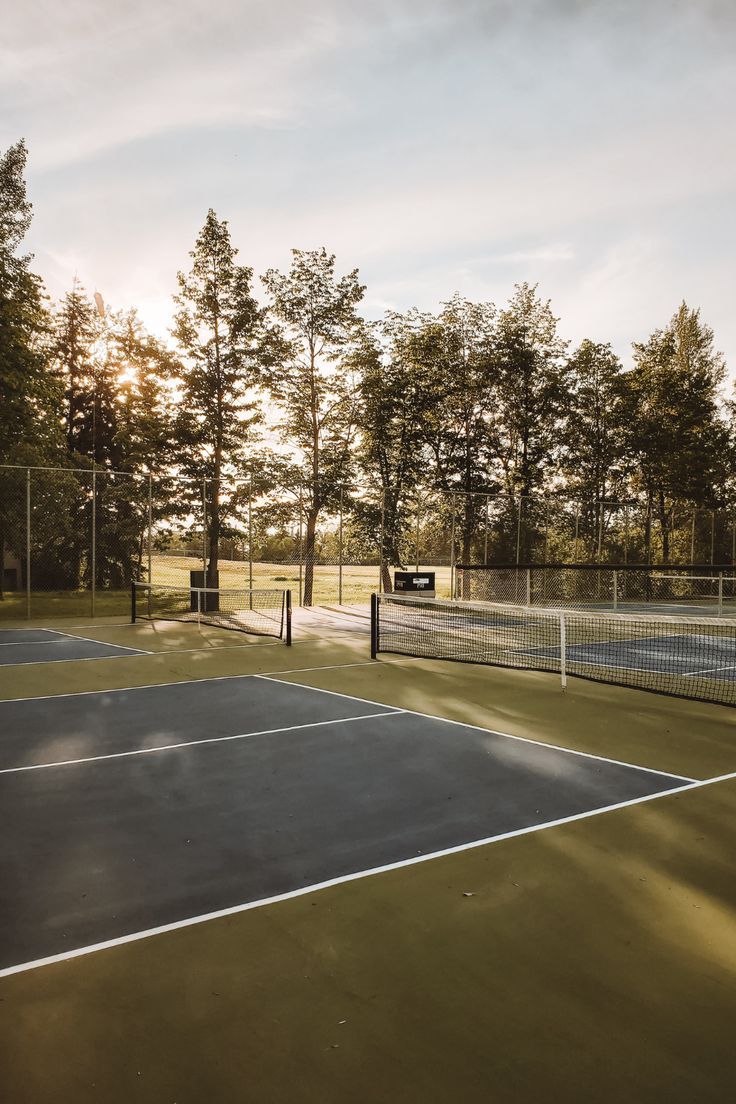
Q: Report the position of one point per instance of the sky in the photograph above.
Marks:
(436, 145)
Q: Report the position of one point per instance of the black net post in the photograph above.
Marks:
(287, 605)
(132, 603)
(374, 626)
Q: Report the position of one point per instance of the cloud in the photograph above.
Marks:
(434, 144)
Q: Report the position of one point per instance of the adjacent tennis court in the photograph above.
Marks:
(685, 657)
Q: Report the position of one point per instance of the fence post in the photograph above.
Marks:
(576, 551)
(150, 528)
(452, 548)
(528, 586)
(250, 537)
(380, 550)
(720, 593)
(518, 528)
(28, 542)
(339, 552)
(615, 589)
(150, 540)
(416, 539)
(485, 538)
(712, 536)
(204, 529)
(692, 540)
(301, 541)
(94, 537)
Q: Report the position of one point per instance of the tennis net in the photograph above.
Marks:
(684, 656)
(261, 612)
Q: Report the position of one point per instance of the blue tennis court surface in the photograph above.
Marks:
(682, 654)
(121, 811)
(51, 646)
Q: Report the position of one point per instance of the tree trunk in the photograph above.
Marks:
(309, 545)
(213, 566)
(664, 529)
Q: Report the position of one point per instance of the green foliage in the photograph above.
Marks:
(676, 433)
(220, 332)
(28, 395)
(313, 381)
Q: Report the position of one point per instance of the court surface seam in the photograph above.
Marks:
(233, 910)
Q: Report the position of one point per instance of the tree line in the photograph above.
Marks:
(282, 384)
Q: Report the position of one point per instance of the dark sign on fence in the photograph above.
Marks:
(411, 582)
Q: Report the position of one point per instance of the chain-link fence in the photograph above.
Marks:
(72, 540)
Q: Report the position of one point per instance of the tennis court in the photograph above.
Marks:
(51, 646)
(235, 870)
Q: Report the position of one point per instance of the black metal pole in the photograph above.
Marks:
(132, 603)
(288, 618)
(374, 626)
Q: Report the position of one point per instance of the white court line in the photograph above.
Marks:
(32, 643)
(710, 670)
(183, 681)
(273, 676)
(492, 731)
(388, 712)
(70, 659)
(234, 910)
(92, 640)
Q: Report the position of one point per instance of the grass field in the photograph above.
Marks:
(357, 585)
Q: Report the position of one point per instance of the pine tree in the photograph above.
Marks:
(220, 332)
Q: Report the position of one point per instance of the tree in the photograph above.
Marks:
(28, 395)
(219, 329)
(390, 449)
(316, 393)
(594, 460)
(29, 429)
(531, 394)
(456, 360)
(676, 432)
(76, 330)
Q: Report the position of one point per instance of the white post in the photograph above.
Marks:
(563, 652)
(615, 590)
(528, 586)
(720, 593)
